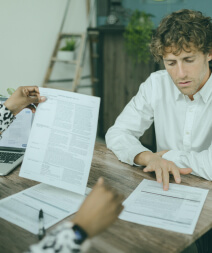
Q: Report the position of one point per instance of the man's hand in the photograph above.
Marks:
(100, 209)
(23, 97)
(161, 167)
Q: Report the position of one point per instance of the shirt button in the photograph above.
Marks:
(187, 132)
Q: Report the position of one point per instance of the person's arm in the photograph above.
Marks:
(6, 118)
(99, 210)
(123, 137)
(23, 97)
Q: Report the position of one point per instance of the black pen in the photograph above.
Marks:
(41, 231)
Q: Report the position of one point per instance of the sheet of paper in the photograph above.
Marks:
(177, 209)
(23, 208)
(62, 138)
(17, 134)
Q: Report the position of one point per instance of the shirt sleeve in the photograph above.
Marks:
(123, 137)
(6, 118)
(60, 240)
(199, 162)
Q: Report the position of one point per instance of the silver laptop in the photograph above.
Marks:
(14, 141)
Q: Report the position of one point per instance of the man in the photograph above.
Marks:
(178, 100)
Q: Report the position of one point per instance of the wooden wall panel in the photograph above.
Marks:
(121, 79)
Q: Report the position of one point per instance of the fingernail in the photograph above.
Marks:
(178, 180)
(165, 188)
(100, 180)
(43, 99)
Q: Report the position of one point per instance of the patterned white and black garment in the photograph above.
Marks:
(6, 118)
(59, 240)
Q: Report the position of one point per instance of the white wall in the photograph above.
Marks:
(28, 32)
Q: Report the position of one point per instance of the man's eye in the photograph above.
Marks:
(171, 64)
(189, 60)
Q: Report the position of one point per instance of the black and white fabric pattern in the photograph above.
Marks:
(59, 240)
(6, 118)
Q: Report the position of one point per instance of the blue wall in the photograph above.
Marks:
(160, 9)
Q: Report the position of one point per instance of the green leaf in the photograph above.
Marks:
(10, 91)
(70, 45)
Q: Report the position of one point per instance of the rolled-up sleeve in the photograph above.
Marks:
(123, 137)
(199, 162)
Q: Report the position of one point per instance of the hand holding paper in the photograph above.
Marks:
(61, 142)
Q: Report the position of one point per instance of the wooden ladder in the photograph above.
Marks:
(47, 82)
(79, 61)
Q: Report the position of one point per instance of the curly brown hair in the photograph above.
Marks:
(179, 31)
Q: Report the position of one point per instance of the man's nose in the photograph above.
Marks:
(181, 71)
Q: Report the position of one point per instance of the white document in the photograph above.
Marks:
(177, 209)
(23, 208)
(61, 143)
(17, 134)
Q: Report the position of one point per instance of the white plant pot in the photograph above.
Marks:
(66, 55)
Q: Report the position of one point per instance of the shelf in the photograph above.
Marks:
(54, 59)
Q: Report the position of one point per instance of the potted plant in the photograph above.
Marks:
(137, 36)
(67, 53)
(9, 91)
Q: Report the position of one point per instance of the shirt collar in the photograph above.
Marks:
(177, 93)
(205, 92)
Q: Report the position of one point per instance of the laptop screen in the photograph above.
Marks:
(16, 136)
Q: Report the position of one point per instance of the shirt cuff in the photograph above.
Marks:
(6, 118)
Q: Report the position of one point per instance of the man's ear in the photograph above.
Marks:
(210, 55)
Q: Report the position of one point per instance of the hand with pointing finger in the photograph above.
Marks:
(161, 167)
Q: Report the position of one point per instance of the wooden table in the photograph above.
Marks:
(122, 236)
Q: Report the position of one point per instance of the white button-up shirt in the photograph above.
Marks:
(182, 126)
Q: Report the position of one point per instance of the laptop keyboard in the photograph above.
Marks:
(9, 157)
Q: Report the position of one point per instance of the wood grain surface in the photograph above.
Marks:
(122, 236)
